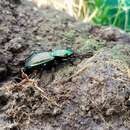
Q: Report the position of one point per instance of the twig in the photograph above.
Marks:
(27, 80)
(69, 78)
(43, 94)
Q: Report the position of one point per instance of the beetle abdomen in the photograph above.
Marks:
(38, 59)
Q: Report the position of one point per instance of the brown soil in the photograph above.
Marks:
(90, 95)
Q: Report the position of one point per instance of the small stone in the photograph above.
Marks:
(56, 111)
(39, 112)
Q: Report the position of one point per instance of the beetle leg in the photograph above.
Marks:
(33, 74)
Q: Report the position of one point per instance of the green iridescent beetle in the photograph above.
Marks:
(43, 59)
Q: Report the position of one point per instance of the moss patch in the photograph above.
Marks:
(121, 52)
(91, 45)
(70, 36)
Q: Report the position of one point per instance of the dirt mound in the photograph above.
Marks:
(91, 95)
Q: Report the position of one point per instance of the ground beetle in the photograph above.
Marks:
(44, 59)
